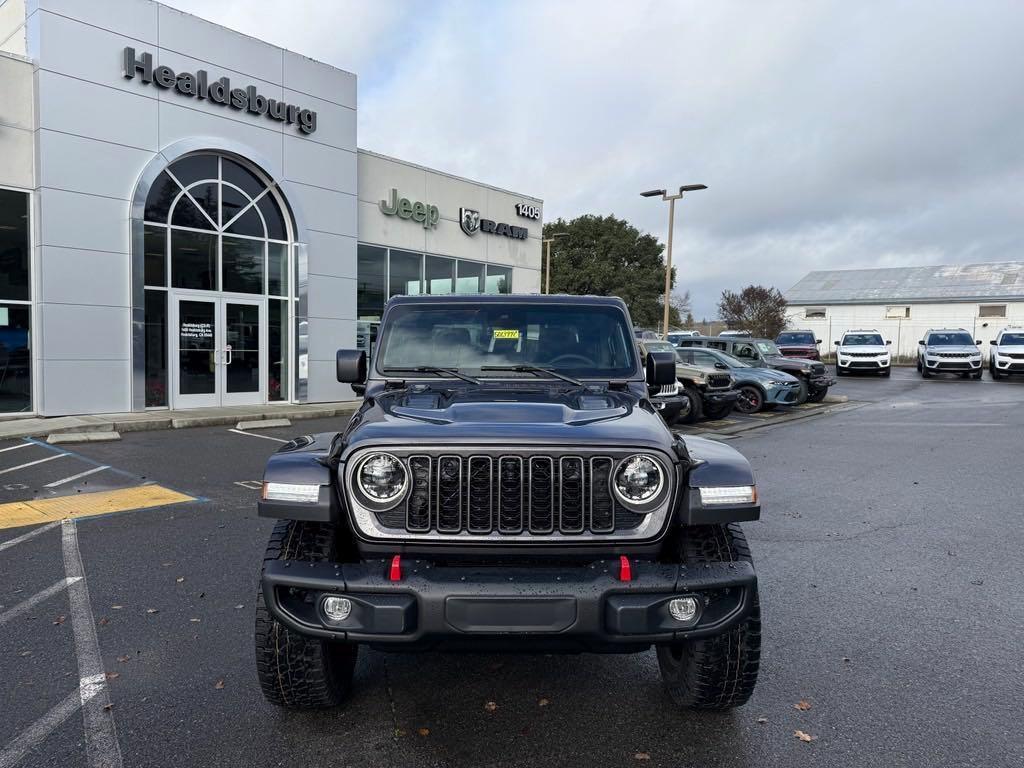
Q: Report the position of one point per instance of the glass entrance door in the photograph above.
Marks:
(219, 354)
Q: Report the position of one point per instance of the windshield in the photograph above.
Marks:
(1012, 339)
(584, 341)
(709, 357)
(950, 340)
(768, 348)
(796, 337)
(659, 346)
(862, 340)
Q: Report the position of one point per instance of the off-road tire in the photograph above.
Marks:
(717, 411)
(817, 395)
(296, 671)
(718, 672)
(696, 404)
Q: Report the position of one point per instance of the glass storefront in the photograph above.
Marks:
(213, 226)
(15, 303)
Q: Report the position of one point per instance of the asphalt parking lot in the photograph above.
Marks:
(888, 557)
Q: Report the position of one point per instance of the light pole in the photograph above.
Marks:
(547, 269)
(671, 219)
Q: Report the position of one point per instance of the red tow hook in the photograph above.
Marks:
(625, 569)
(395, 571)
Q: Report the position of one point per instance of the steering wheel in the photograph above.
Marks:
(586, 361)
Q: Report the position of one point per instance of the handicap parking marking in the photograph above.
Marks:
(35, 511)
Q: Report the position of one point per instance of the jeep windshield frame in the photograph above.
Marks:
(576, 340)
(799, 338)
(862, 340)
(950, 339)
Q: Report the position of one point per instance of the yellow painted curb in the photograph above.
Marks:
(36, 511)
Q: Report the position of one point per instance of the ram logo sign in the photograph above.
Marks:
(469, 220)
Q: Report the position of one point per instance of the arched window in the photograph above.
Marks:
(212, 223)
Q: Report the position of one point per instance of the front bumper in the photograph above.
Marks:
(671, 407)
(952, 364)
(821, 381)
(863, 363)
(719, 396)
(1009, 364)
(544, 608)
(782, 395)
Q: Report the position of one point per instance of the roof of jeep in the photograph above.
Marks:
(508, 298)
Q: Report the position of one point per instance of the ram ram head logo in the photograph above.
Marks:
(469, 220)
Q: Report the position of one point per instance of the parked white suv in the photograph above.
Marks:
(863, 351)
(1007, 355)
(948, 350)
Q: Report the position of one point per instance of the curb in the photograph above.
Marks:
(82, 437)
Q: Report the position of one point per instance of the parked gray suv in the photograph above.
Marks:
(949, 350)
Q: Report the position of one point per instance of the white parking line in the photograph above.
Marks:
(15, 447)
(79, 476)
(262, 437)
(101, 747)
(33, 463)
(26, 536)
(28, 739)
(27, 605)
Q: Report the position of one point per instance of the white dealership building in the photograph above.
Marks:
(902, 303)
(186, 220)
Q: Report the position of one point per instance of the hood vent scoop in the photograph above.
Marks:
(422, 400)
(594, 402)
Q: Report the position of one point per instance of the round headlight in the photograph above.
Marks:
(381, 477)
(638, 479)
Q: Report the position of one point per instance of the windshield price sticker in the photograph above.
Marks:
(506, 333)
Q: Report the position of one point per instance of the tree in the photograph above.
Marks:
(681, 307)
(607, 256)
(757, 309)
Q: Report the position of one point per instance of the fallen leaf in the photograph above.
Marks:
(423, 731)
(803, 705)
(490, 706)
(195, 620)
(219, 684)
(239, 607)
(543, 703)
(58, 620)
(762, 720)
(846, 659)
(117, 607)
(180, 579)
(108, 707)
(165, 565)
(152, 610)
(124, 659)
(103, 622)
(25, 653)
(113, 675)
(642, 756)
(806, 737)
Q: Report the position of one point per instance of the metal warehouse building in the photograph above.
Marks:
(186, 220)
(903, 303)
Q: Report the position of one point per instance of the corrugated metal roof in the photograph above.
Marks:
(1000, 281)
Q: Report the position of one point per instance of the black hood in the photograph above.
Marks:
(508, 414)
(789, 363)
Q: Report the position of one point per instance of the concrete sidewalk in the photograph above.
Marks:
(147, 420)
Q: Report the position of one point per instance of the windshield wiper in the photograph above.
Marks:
(532, 369)
(433, 369)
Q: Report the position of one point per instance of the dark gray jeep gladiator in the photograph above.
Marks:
(507, 485)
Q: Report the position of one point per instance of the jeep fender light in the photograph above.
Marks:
(728, 494)
(309, 494)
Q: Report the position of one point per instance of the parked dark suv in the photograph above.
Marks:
(801, 344)
(507, 485)
(814, 377)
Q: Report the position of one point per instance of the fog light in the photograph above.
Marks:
(683, 608)
(337, 608)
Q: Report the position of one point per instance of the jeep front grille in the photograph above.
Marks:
(817, 369)
(719, 381)
(511, 495)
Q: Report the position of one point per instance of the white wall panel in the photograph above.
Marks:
(134, 18)
(81, 332)
(84, 386)
(319, 165)
(64, 271)
(16, 95)
(78, 164)
(332, 255)
(16, 157)
(311, 77)
(73, 220)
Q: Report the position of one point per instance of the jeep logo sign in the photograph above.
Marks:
(427, 215)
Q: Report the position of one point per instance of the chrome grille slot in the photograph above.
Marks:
(542, 494)
(602, 506)
(418, 507)
(479, 497)
(510, 494)
(449, 494)
(570, 494)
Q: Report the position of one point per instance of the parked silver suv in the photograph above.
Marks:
(949, 350)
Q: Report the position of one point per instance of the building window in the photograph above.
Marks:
(814, 313)
(212, 224)
(382, 273)
(15, 304)
(992, 310)
(900, 312)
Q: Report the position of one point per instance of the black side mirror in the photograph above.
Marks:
(921, 341)
(992, 342)
(977, 341)
(887, 343)
(836, 343)
(722, 366)
(351, 366)
(817, 341)
(661, 368)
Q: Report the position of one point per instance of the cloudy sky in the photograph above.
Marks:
(830, 133)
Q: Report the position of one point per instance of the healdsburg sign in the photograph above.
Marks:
(218, 91)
